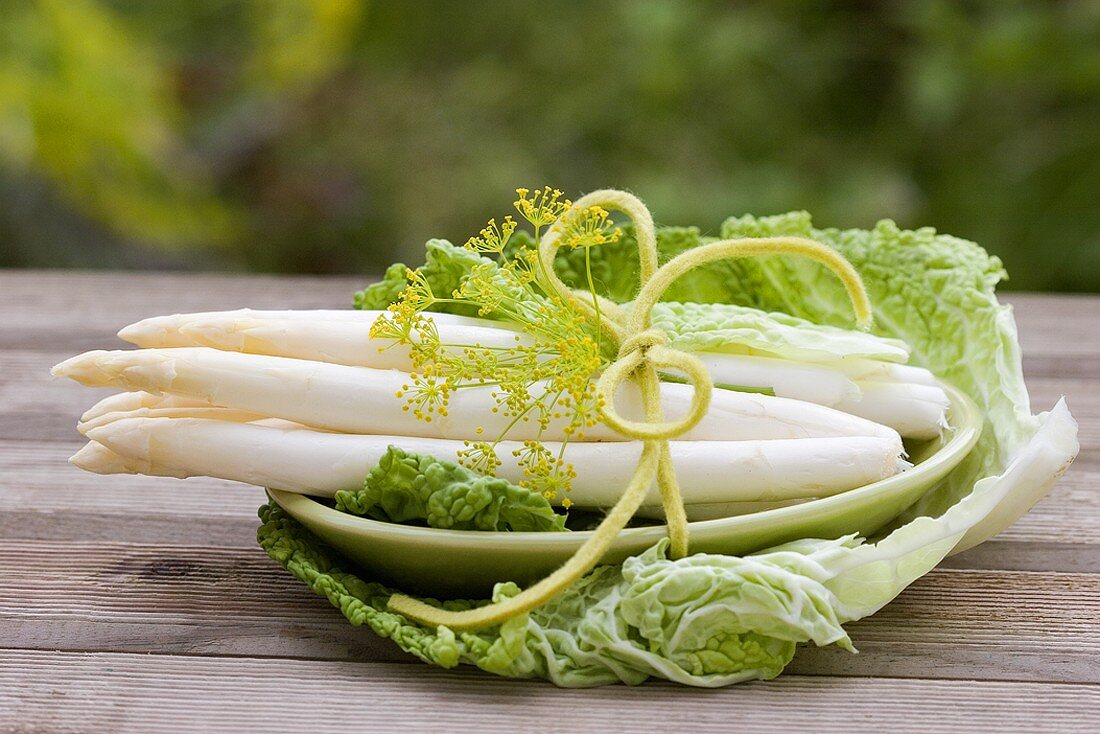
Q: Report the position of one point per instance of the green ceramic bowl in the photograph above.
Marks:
(456, 563)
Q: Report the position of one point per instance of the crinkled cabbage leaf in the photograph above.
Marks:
(704, 620)
(406, 487)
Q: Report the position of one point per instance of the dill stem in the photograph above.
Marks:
(510, 426)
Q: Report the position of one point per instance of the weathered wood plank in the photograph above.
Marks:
(33, 298)
(1056, 325)
(38, 476)
(43, 497)
(136, 693)
(206, 600)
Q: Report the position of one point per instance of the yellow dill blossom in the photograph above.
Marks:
(543, 207)
(480, 456)
(419, 291)
(482, 289)
(546, 473)
(427, 394)
(403, 321)
(546, 380)
(588, 228)
(493, 238)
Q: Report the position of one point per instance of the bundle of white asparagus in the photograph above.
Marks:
(305, 401)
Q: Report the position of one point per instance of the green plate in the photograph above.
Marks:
(456, 563)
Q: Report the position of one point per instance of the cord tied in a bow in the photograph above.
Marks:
(642, 352)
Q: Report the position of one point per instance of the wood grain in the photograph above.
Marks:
(210, 600)
(139, 604)
(163, 693)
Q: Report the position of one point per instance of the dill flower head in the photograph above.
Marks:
(492, 238)
(543, 207)
(545, 379)
(588, 228)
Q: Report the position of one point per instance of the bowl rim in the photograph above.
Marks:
(965, 418)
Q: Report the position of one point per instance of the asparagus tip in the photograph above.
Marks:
(79, 368)
(98, 459)
(127, 437)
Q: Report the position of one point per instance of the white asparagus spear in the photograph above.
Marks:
(171, 411)
(146, 405)
(171, 331)
(310, 462)
(164, 331)
(915, 408)
(348, 342)
(788, 379)
(915, 411)
(870, 370)
(363, 399)
(98, 459)
(336, 341)
(343, 337)
(126, 401)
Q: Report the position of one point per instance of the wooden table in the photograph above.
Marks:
(138, 604)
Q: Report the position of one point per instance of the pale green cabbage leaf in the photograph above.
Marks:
(445, 266)
(406, 487)
(712, 620)
(726, 327)
(705, 620)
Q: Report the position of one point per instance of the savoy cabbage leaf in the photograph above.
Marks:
(704, 620)
(405, 487)
(445, 266)
(725, 327)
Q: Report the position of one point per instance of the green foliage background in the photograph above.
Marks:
(325, 136)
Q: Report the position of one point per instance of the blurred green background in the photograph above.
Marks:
(331, 136)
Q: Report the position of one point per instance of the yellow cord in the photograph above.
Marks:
(642, 350)
(654, 288)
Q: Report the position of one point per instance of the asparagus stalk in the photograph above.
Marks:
(143, 404)
(338, 342)
(165, 331)
(171, 411)
(915, 411)
(869, 370)
(312, 462)
(343, 337)
(350, 343)
(363, 399)
(797, 380)
(126, 401)
(97, 458)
